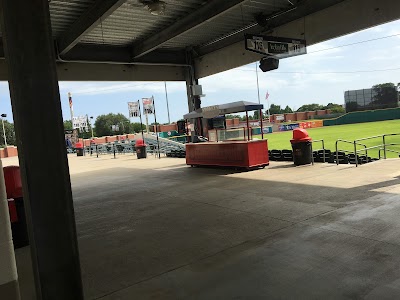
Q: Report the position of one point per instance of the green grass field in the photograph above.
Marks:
(281, 140)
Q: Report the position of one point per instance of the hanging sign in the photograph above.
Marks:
(148, 106)
(278, 47)
(133, 108)
(80, 123)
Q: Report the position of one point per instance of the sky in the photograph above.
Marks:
(321, 76)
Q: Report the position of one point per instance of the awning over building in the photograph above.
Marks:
(223, 109)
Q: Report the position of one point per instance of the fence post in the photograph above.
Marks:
(312, 154)
(337, 154)
(323, 148)
(97, 151)
(384, 147)
(355, 153)
(114, 150)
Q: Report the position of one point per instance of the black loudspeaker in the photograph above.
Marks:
(181, 127)
(269, 64)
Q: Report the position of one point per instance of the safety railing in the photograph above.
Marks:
(323, 149)
(381, 147)
(355, 144)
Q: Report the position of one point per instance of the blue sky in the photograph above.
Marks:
(309, 78)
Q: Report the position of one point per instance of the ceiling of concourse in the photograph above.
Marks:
(210, 32)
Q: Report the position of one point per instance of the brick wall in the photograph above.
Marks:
(229, 123)
(290, 117)
(10, 151)
(166, 128)
(301, 116)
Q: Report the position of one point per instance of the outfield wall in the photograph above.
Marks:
(365, 116)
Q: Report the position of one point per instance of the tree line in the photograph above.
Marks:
(335, 108)
(110, 124)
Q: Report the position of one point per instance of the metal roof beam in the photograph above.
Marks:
(301, 9)
(87, 22)
(204, 14)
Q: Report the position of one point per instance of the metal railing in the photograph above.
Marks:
(380, 147)
(354, 143)
(323, 148)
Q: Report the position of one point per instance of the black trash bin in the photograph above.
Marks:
(140, 149)
(301, 145)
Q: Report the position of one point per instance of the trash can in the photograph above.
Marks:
(140, 149)
(79, 149)
(301, 145)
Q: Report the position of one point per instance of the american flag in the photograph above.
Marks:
(266, 96)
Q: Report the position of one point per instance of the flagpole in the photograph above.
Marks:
(269, 113)
(71, 109)
(141, 123)
(258, 88)
(155, 120)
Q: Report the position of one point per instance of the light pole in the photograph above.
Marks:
(4, 132)
(91, 125)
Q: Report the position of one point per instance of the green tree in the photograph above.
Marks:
(275, 109)
(135, 127)
(256, 115)
(67, 125)
(104, 123)
(310, 107)
(287, 110)
(335, 108)
(232, 116)
(10, 134)
(386, 94)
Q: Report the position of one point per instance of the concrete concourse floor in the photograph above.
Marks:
(158, 229)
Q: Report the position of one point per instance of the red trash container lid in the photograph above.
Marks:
(140, 142)
(300, 135)
(78, 145)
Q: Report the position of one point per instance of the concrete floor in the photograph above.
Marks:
(157, 229)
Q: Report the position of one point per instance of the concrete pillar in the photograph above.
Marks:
(35, 99)
(9, 288)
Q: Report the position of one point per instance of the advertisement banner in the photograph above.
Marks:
(133, 108)
(317, 123)
(288, 127)
(305, 125)
(148, 106)
(267, 129)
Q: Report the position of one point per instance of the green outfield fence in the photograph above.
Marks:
(365, 116)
